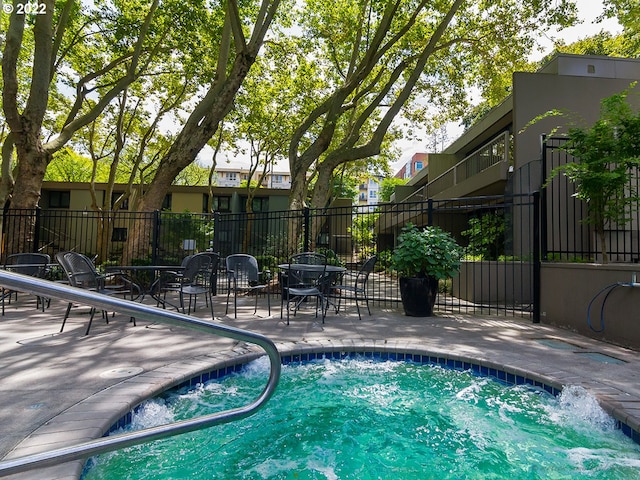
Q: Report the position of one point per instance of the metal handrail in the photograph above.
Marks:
(35, 286)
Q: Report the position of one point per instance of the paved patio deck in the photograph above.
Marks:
(62, 388)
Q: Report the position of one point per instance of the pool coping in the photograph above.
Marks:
(111, 407)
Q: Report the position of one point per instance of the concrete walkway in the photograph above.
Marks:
(58, 389)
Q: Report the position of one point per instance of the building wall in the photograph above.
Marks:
(567, 289)
(578, 95)
(183, 198)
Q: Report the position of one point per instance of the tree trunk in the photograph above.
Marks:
(30, 173)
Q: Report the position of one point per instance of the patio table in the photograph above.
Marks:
(307, 267)
(332, 271)
(146, 277)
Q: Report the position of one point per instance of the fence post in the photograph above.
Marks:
(36, 233)
(216, 226)
(536, 257)
(430, 212)
(307, 228)
(543, 199)
(155, 237)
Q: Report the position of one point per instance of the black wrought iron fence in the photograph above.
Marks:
(498, 234)
(564, 236)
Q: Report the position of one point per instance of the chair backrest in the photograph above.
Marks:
(62, 262)
(197, 269)
(243, 269)
(80, 270)
(33, 264)
(365, 270)
(299, 276)
(309, 258)
(214, 265)
(185, 260)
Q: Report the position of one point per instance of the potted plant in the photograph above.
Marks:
(422, 258)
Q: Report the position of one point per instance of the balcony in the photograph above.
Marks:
(484, 172)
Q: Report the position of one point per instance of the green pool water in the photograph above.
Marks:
(360, 419)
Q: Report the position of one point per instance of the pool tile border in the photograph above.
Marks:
(299, 352)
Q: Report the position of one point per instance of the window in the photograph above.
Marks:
(221, 204)
(260, 204)
(373, 194)
(418, 165)
(166, 203)
(232, 176)
(277, 179)
(59, 199)
(119, 235)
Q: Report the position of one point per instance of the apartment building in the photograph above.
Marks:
(418, 162)
(233, 177)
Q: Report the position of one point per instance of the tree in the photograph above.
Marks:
(626, 11)
(62, 69)
(607, 158)
(105, 54)
(377, 57)
(236, 55)
(388, 186)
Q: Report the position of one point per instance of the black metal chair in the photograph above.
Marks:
(168, 282)
(305, 277)
(244, 276)
(192, 280)
(32, 264)
(355, 285)
(82, 273)
(214, 267)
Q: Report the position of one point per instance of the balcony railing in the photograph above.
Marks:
(494, 152)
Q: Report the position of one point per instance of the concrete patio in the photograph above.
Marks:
(63, 388)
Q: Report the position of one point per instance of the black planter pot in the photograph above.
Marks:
(418, 295)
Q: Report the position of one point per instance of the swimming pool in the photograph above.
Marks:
(361, 418)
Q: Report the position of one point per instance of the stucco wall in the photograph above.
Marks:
(567, 289)
(537, 93)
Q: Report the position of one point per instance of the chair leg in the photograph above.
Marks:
(93, 312)
(366, 299)
(288, 303)
(66, 315)
(357, 305)
(323, 308)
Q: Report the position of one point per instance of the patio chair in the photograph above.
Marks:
(82, 273)
(192, 280)
(244, 276)
(305, 277)
(355, 285)
(214, 267)
(32, 264)
(167, 282)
